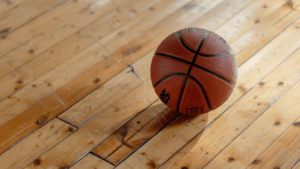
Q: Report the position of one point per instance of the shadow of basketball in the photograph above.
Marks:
(156, 125)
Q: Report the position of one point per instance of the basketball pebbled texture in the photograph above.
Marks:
(193, 71)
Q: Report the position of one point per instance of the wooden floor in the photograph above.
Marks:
(75, 87)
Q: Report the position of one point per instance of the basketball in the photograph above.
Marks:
(193, 71)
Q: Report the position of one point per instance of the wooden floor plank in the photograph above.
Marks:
(297, 165)
(264, 31)
(25, 12)
(254, 139)
(28, 96)
(23, 45)
(30, 77)
(142, 23)
(284, 152)
(31, 147)
(9, 7)
(221, 14)
(247, 18)
(91, 161)
(112, 91)
(161, 152)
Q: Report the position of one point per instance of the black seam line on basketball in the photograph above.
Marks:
(199, 48)
(213, 73)
(173, 57)
(190, 69)
(186, 46)
(202, 90)
(201, 54)
(187, 76)
(169, 75)
(182, 90)
(209, 71)
(214, 55)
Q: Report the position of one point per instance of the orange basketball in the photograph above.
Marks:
(193, 71)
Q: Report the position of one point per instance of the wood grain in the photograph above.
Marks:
(135, 133)
(100, 127)
(21, 13)
(76, 92)
(64, 22)
(269, 125)
(41, 83)
(91, 161)
(282, 152)
(30, 148)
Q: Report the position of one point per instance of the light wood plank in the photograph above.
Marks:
(32, 75)
(44, 86)
(160, 11)
(110, 92)
(247, 79)
(9, 7)
(284, 152)
(93, 162)
(264, 31)
(251, 15)
(24, 44)
(297, 165)
(26, 123)
(23, 12)
(221, 14)
(257, 137)
(35, 145)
